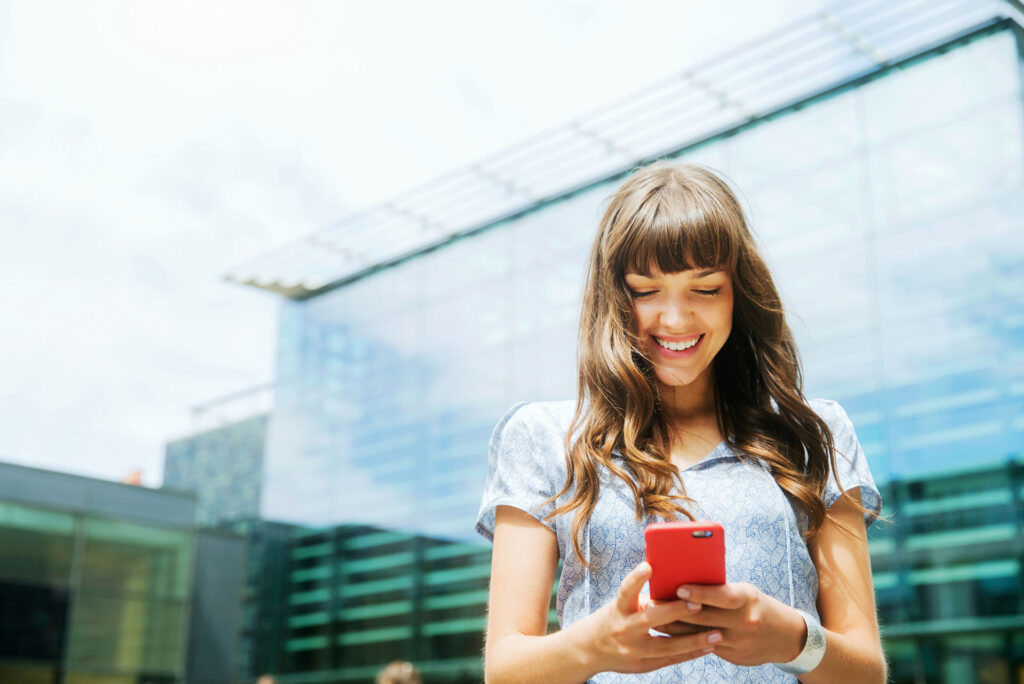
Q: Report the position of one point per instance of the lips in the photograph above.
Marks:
(677, 339)
(677, 354)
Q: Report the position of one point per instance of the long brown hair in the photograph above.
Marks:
(678, 217)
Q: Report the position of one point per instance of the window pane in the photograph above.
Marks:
(136, 559)
(127, 635)
(37, 544)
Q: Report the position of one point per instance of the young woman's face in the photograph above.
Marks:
(686, 318)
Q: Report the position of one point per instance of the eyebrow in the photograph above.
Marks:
(703, 274)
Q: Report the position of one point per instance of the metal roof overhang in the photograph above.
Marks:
(840, 43)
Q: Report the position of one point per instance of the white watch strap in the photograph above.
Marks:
(814, 648)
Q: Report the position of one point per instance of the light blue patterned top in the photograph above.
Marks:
(763, 542)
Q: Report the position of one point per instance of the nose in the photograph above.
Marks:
(676, 316)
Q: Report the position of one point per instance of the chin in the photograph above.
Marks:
(674, 378)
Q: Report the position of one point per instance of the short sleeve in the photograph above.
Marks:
(521, 471)
(851, 463)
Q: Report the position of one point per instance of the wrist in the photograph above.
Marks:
(796, 635)
(581, 638)
(813, 650)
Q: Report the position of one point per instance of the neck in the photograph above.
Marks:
(685, 403)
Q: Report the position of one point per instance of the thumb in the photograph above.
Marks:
(644, 599)
(629, 590)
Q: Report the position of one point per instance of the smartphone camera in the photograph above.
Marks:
(701, 533)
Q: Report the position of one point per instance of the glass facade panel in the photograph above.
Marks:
(127, 635)
(404, 398)
(35, 589)
(41, 544)
(960, 161)
(922, 280)
(86, 599)
(804, 139)
(136, 559)
(941, 88)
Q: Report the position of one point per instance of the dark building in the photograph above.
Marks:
(949, 574)
(358, 596)
(110, 583)
(221, 465)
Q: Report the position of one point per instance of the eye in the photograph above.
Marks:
(710, 293)
(633, 293)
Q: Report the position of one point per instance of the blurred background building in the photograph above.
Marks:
(110, 583)
(222, 461)
(879, 147)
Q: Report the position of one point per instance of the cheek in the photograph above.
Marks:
(640, 316)
(724, 314)
(726, 318)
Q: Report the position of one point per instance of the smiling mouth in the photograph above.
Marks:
(678, 346)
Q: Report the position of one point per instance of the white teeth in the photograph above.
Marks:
(677, 346)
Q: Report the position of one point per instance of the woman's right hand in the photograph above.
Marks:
(619, 638)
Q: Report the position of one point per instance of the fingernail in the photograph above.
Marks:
(714, 638)
(692, 606)
(682, 592)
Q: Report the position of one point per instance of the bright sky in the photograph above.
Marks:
(146, 148)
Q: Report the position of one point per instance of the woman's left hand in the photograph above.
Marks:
(756, 628)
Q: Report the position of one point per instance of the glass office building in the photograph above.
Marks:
(263, 634)
(888, 196)
(222, 467)
(948, 576)
(95, 580)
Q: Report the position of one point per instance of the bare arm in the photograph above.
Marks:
(614, 638)
(846, 601)
(523, 565)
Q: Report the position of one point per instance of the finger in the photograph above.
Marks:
(688, 612)
(679, 628)
(629, 590)
(709, 617)
(644, 598)
(670, 611)
(713, 617)
(728, 596)
(681, 645)
(659, 663)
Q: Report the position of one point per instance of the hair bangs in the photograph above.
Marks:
(680, 232)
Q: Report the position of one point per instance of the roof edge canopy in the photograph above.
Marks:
(840, 43)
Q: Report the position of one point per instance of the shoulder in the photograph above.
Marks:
(539, 420)
(836, 417)
(529, 439)
(852, 465)
(828, 409)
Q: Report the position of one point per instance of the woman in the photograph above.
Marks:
(689, 405)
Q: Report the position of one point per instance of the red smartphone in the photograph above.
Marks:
(684, 553)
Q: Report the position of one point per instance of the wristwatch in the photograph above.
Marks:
(814, 649)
